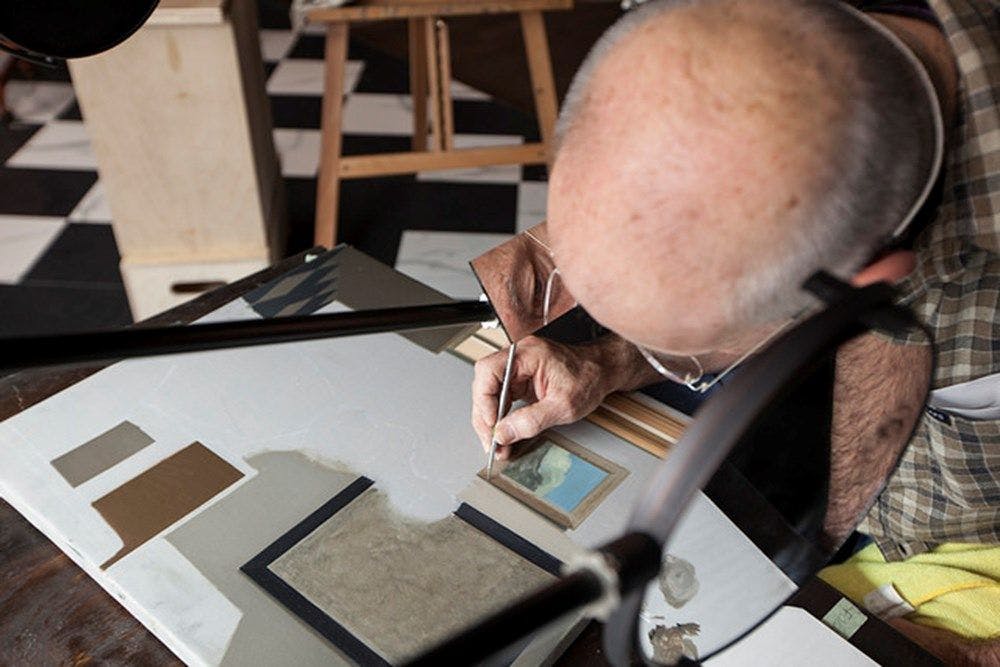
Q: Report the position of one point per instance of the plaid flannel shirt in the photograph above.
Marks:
(947, 485)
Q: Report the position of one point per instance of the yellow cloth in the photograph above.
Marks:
(955, 587)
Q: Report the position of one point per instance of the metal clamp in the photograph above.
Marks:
(599, 565)
(488, 324)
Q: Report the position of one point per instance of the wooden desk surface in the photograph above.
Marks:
(51, 612)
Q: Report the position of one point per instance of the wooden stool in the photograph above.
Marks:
(430, 77)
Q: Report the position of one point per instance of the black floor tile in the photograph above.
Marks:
(374, 212)
(489, 117)
(534, 172)
(298, 111)
(42, 191)
(308, 46)
(36, 309)
(300, 194)
(382, 74)
(361, 144)
(273, 15)
(14, 135)
(72, 112)
(83, 253)
(31, 72)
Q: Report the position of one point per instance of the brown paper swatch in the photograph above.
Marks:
(145, 505)
(97, 455)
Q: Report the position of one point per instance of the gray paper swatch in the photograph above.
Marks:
(95, 456)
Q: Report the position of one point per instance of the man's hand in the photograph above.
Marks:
(561, 383)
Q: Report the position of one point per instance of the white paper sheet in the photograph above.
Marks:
(791, 638)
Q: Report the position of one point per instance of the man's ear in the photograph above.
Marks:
(889, 268)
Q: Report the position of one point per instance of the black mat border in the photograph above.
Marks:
(509, 539)
(258, 570)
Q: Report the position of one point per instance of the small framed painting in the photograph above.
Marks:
(558, 478)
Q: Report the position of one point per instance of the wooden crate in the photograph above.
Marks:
(181, 129)
(155, 287)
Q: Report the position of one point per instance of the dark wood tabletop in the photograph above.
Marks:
(51, 612)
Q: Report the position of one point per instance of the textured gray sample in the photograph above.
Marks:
(401, 585)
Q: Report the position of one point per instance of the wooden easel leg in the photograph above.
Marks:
(536, 47)
(418, 83)
(328, 181)
(433, 83)
(444, 82)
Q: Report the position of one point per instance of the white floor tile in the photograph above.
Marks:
(441, 259)
(61, 144)
(37, 101)
(460, 91)
(23, 239)
(300, 76)
(93, 207)
(299, 151)
(498, 174)
(314, 28)
(274, 44)
(352, 72)
(531, 203)
(374, 113)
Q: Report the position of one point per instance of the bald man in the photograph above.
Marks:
(712, 155)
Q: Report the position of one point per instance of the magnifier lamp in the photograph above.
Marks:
(50, 31)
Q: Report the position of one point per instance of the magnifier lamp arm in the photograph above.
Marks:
(592, 583)
(143, 341)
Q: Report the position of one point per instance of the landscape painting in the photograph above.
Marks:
(558, 478)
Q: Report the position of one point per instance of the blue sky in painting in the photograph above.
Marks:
(581, 478)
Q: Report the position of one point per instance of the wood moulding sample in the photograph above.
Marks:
(621, 413)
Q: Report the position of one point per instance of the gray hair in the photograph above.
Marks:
(885, 157)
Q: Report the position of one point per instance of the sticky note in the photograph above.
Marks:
(845, 618)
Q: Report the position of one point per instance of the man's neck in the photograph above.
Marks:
(931, 47)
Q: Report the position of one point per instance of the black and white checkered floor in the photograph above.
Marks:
(58, 260)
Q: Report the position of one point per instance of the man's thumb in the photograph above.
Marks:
(525, 422)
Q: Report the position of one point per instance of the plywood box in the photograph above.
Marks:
(155, 287)
(181, 129)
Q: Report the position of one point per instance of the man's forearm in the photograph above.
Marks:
(949, 647)
(627, 369)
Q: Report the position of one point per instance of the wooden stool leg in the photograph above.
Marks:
(418, 83)
(536, 46)
(446, 113)
(328, 181)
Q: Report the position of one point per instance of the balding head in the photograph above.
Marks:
(712, 149)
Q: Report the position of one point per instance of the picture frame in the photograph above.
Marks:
(560, 479)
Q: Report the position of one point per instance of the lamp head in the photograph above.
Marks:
(51, 31)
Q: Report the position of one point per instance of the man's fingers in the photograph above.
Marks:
(486, 395)
(483, 428)
(487, 383)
